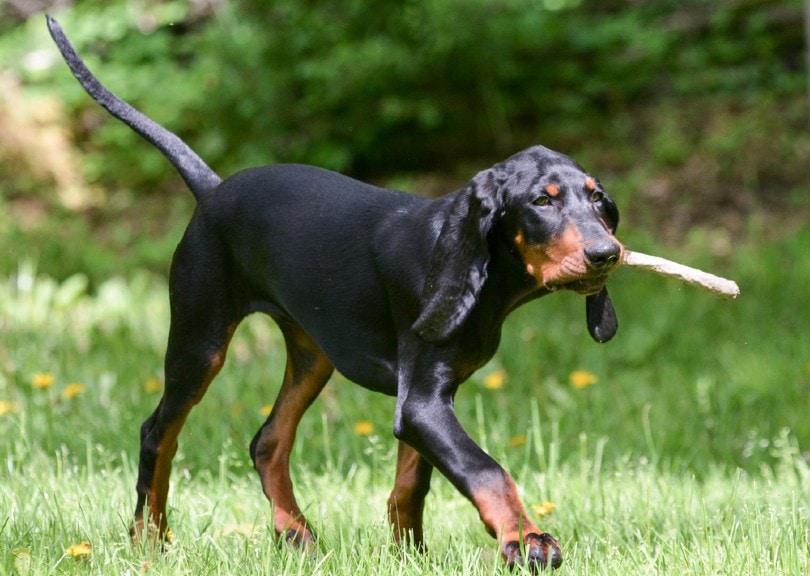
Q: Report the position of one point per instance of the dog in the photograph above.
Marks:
(403, 295)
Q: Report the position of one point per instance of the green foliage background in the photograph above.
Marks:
(691, 112)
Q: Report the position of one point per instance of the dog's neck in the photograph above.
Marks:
(508, 286)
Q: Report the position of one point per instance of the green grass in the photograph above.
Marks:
(687, 455)
(628, 519)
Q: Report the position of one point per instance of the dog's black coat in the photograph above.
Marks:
(403, 295)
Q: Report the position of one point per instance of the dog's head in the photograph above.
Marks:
(558, 222)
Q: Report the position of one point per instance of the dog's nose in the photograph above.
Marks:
(603, 255)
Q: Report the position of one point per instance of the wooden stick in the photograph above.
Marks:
(715, 284)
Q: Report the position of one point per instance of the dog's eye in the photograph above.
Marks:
(542, 201)
(597, 196)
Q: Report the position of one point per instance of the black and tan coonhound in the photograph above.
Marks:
(403, 295)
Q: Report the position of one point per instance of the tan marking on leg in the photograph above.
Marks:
(157, 496)
(505, 518)
(303, 381)
(157, 493)
(502, 512)
(407, 500)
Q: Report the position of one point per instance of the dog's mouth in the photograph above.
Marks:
(574, 274)
(585, 286)
(571, 272)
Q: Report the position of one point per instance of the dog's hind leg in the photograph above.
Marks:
(407, 500)
(308, 370)
(203, 319)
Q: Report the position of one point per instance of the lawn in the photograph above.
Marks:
(680, 447)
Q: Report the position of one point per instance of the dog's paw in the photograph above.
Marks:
(148, 534)
(538, 552)
(302, 539)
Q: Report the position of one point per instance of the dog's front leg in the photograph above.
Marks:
(426, 420)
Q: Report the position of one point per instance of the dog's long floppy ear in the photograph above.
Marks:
(458, 267)
(602, 321)
(599, 311)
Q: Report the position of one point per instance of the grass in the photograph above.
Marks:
(677, 448)
(633, 519)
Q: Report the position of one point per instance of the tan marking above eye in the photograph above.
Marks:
(590, 184)
(552, 190)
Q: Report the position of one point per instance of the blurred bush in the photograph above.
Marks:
(659, 96)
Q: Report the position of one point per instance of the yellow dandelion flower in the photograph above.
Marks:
(363, 428)
(81, 550)
(72, 390)
(544, 509)
(582, 379)
(495, 380)
(152, 385)
(169, 536)
(7, 407)
(265, 410)
(42, 380)
(519, 440)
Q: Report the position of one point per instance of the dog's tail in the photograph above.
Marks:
(197, 174)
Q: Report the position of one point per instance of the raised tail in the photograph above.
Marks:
(198, 175)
